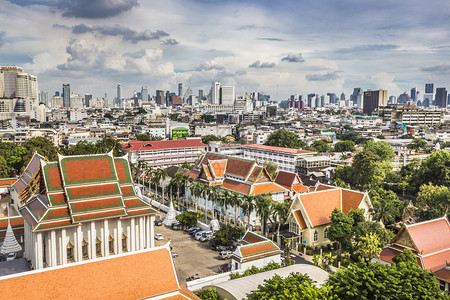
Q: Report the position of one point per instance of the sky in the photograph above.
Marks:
(274, 47)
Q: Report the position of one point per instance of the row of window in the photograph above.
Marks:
(98, 248)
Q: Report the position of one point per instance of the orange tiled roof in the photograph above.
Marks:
(280, 149)
(443, 275)
(351, 200)
(300, 220)
(318, 206)
(431, 236)
(7, 182)
(236, 186)
(105, 278)
(251, 237)
(235, 166)
(156, 145)
(285, 178)
(323, 187)
(80, 170)
(300, 188)
(437, 261)
(218, 167)
(266, 188)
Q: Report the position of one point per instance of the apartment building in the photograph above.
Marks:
(411, 115)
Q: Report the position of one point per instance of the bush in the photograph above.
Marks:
(208, 294)
(254, 270)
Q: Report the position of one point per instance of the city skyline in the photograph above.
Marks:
(280, 49)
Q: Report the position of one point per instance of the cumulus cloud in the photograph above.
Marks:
(259, 65)
(207, 66)
(291, 57)
(2, 38)
(170, 42)
(98, 9)
(442, 68)
(126, 33)
(322, 77)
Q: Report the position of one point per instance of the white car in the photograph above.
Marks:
(158, 236)
(11, 256)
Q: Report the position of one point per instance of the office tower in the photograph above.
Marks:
(215, 92)
(392, 100)
(119, 92)
(180, 89)
(144, 93)
(374, 99)
(317, 101)
(187, 95)
(428, 96)
(57, 94)
(9, 80)
(311, 100)
(448, 99)
(354, 97)
(429, 88)
(76, 101)
(159, 97)
(332, 97)
(87, 99)
(43, 98)
(200, 95)
(441, 97)
(342, 96)
(413, 94)
(66, 95)
(227, 95)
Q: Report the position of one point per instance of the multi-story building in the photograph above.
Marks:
(66, 94)
(21, 135)
(79, 208)
(287, 159)
(441, 97)
(373, 99)
(163, 154)
(411, 115)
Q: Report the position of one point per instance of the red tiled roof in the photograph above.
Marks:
(120, 169)
(127, 190)
(285, 178)
(193, 174)
(54, 177)
(251, 237)
(106, 278)
(92, 215)
(89, 191)
(300, 220)
(351, 200)
(255, 172)
(280, 149)
(253, 249)
(236, 186)
(322, 187)
(105, 203)
(57, 199)
(235, 166)
(79, 170)
(443, 275)
(266, 188)
(218, 167)
(388, 253)
(7, 182)
(156, 145)
(14, 221)
(300, 188)
(318, 206)
(437, 261)
(431, 236)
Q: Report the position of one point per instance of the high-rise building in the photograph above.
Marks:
(66, 95)
(332, 97)
(215, 92)
(342, 96)
(414, 95)
(144, 93)
(373, 99)
(187, 95)
(357, 92)
(200, 95)
(441, 97)
(180, 89)
(227, 95)
(392, 100)
(87, 99)
(429, 88)
(160, 97)
(43, 98)
(76, 101)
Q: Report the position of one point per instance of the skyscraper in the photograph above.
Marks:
(160, 97)
(342, 96)
(215, 92)
(429, 88)
(357, 92)
(180, 89)
(374, 99)
(66, 94)
(441, 97)
(200, 95)
(227, 96)
(144, 94)
(87, 99)
(413, 95)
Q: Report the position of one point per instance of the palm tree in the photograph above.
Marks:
(177, 180)
(197, 192)
(206, 190)
(141, 166)
(235, 201)
(383, 211)
(162, 178)
(189, 181)
(224, 201)
(248, 206)
(263, 205)
(280, 212)
(215, 195)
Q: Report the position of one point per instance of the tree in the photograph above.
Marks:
(107, 144)
(207, 294)
(209, 138)
(147, 137)
(177, 180)
(434, 169)
(418, 144)
(263, 205)
(369, 246)
(80, 148)
(387, 207)
(361, 229)
(208, 118)
(5, 169)
(404, 280)
(227, 235)
(248, 206)
(187, 218)
(344, 174)
(280, 213)
(186, 165)
(236, 202)
(285, 138)
(433, 202)
(369, 168)
(321, 146)
(340, 229)
(382, 149)
(295, 286)
(344, 146)
(43, 146)
(272, 168)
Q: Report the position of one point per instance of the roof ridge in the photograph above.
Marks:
(428, 221)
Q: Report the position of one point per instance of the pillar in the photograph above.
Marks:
(133, 235)
(53, 249)
(141, 233)
(63, 246)
(151, 233)
(79, 244)
(106, 237)
(119, 236)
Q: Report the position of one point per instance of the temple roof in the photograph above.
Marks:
(78, 189)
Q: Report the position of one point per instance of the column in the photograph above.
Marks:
(63, 246)
(106, 237)
(141, 233)
(40, 251)
(151, 233)
(119, 236)
(52, 246)
(79, 244)
(92, 241)
(133, 235)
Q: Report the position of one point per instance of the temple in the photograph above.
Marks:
(79, 208)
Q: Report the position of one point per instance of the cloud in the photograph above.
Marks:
(126, 33)
(171, 42)
(367, 48)
(259, 65)
(206, 66)
(246, 27)
(270, 39)
(291, 57)
(2, 38)
(441, 68)
(98, 9)
(322, 77)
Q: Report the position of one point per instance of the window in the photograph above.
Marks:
(70, 257)
(98, 247)
(325, 233)
(124, 243)
(85, 249)
(316, 236)
(111, 245)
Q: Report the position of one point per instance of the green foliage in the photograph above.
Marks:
(174, 116)
(5, 169)
(271, 168)
(418, 145)
(434, 169)
(387, 207)
(369, 246)
(107, 144)
(363, 228)
(208, 118)
(433, 202)
(227, 235)
(407, 136)
(340, 229)
(344, 146)
(321, 146)
(186, 165)
(147, 137)
(103, 146)
(296, 286)
(285, 138)
(382, 149)
(255, 270)
(209, 138)
(187, 218)
(344, 174)
(372, 165)
(207, 294)
(366, 281)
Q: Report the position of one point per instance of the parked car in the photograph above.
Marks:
(193, 232)
(193, 277)
(224, 268)
(224, 248)
(174, 254)
(158, 236)
(225, 254)
(206, 236)
(2, 257)
(11, 256)
(198, 235)
(193, 229)
(158, 222)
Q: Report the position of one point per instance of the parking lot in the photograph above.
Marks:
(194, 257)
